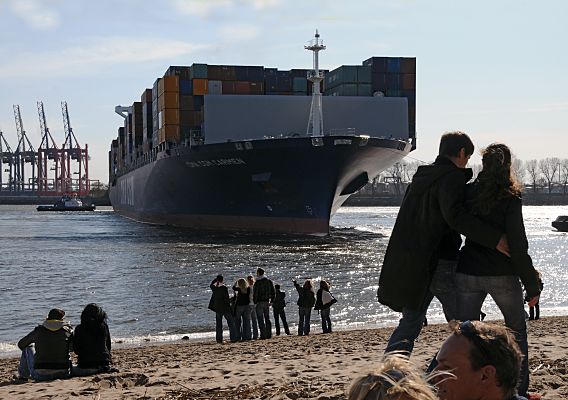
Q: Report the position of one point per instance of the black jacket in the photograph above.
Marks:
(92, 346)
(263, 290)
(482, 261)
(279, 302)
(53, 340)
(432, 207)
(219, 301)
(306, 297)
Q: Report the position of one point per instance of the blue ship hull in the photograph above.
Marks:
(282, 186)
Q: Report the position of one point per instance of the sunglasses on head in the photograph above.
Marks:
(467, 329)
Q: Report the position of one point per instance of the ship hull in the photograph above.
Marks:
(281, 186)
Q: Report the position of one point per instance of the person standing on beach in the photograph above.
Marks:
(263, 294)
(306, 301)
(324, 301)
(221, 305)
(422, 253)
(536, 307)
(253, 318)
(495, 197)
(45, 350)
(242, 314)
(484, 362)
(278, 310)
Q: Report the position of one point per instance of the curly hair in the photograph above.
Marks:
(395, 377)
(496, 181)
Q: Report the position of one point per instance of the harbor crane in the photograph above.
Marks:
(47, 151)
(24, 154)
(6, 158)
(72, 151)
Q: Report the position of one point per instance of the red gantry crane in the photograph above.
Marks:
(24, 154)
(48, 159)
(72, 151)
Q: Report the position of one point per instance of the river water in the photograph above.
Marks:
(153, 281)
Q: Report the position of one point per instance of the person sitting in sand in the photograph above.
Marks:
(45, 350)
(306, 301)
(324, 301)
(91, 342)
(485, 361)
(395, 379)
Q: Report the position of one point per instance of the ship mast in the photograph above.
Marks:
(315, 123)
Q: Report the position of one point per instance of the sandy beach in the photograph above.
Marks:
(284, 367)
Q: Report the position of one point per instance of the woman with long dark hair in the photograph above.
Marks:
(91, 342)
(495, 197)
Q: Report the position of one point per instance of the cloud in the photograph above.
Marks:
(237, 33)
(205, 8)
(35, 13)
(91, 57)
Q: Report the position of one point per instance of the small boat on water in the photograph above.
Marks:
(561, 223)
(68, 202)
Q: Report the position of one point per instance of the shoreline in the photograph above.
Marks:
(284, 367)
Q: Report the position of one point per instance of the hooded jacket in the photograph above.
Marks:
(53, 341)
(433, 207)
(482, 261)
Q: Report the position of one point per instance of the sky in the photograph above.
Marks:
(494, 69)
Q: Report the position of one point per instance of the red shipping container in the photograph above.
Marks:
(408, 81)
(200, 87)
(228, 87)
(242, 87)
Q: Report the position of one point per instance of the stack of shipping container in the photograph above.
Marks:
(172, 111)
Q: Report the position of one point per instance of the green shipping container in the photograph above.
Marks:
(364, 89)
(363, 74)
(198, 71)
(299, 85)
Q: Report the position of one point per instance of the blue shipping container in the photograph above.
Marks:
(185, 87)
(393, 65)
(198, 71)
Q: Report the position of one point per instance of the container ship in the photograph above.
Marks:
(252, 149)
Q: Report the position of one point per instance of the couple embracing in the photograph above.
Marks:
(423, 257)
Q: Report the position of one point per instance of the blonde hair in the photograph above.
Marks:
(396, 378)
(242, 285)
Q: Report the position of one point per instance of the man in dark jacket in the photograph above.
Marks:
(221, 304)
(263, 296)
(49, 358)
(421, 256)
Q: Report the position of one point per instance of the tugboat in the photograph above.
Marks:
(561, 223)
(68, 202)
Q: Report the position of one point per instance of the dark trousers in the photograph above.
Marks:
(304, 320)
(263, 315)
(280, 314)
(325, 320)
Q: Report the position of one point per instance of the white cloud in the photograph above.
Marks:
(205, 8)
(35, 13)
(91, 57)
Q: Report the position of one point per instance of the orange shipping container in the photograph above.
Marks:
(200, 87)
(168, 117)
(169, 133)
(168, 100)
(169, 84)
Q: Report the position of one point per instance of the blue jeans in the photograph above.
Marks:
(444, 288)
(325, 320)
(254, 321)
(26, 368)
(242, 318)
(280, 315)
(305, 314)
(507, 293)
(219, 327)
(263, 315)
